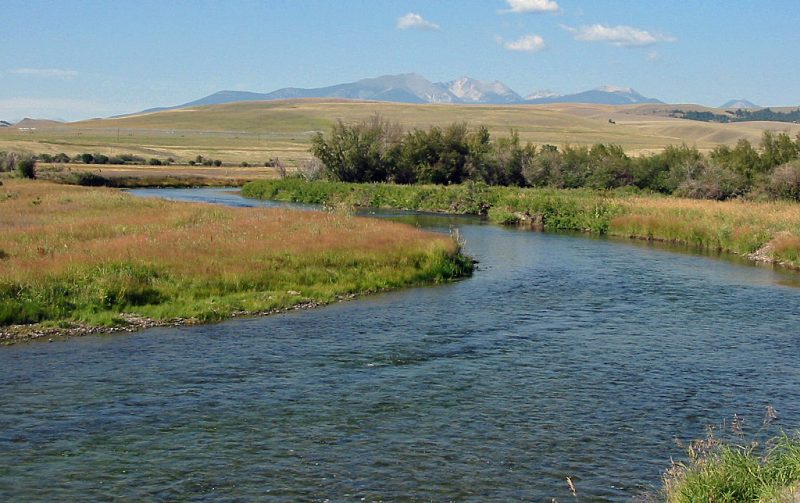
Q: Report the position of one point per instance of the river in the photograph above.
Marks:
(563, 356)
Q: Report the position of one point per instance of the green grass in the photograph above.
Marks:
(724, 472)
(86, 255)
(768, 231)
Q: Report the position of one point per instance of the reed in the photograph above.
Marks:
(85, 255)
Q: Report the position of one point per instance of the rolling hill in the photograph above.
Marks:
(259, 130)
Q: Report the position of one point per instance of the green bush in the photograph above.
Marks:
(89, 179)
(26, 167)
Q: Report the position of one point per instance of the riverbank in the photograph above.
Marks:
(77, 260)
(767, 232)
(734, 470)
(136, 176)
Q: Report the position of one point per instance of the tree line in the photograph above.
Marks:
(761, 114)
(376, 150)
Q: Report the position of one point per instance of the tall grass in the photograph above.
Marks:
(79, 254)
(737, 469)
(766, 231)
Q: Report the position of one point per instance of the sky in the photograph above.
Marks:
(75, 59)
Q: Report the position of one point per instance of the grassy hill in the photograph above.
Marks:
(257, 131)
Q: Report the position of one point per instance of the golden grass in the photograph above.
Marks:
(147, 175)
(767, 231)
(72, 237)
(257, 131)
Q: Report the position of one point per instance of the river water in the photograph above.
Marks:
(563, 356)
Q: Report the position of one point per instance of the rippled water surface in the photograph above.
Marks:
(562, 356)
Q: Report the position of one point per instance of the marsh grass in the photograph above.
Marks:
(87, 254)
(764, 231)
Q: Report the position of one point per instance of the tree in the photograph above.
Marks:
(776, 150)
(609, 167)
(544, 168)
(363, 152)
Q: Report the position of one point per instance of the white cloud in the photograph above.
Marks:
(416, 22)
(522, 6)
(528, 43)
(46, 72)
(619, 36)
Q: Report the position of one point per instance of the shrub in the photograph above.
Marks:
(89, 179)
(218, 163)
(784, 181)
(714, 182)
(244, 164)
(154, 162)
(8, 161)
(26, 167)
(310, 169)
(87, 158)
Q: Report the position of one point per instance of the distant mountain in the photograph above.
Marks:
(469, 90)
(413, 88)
(740, 104)
(605, 95)
(28, 123)
(5, 124)
(542, 93)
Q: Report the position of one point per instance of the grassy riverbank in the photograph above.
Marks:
(764, 231)
(132, 176)
(729, 472)
(82, 256)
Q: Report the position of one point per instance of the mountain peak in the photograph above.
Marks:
(542, 93)
(469, 90)
(616, 89)
(739, 104)
(414, 88)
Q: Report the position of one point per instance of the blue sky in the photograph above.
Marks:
(73, 59)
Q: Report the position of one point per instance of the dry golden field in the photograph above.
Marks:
(257, 131)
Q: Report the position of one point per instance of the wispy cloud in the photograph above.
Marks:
(527, 43)
(619, 36)
(50, 73)
(523, 6)
(413, 21)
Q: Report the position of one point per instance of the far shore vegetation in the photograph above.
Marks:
(376, 150)
(739, 199)
(767, 231)
(97, 256)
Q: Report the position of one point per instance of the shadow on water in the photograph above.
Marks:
(562, 356)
